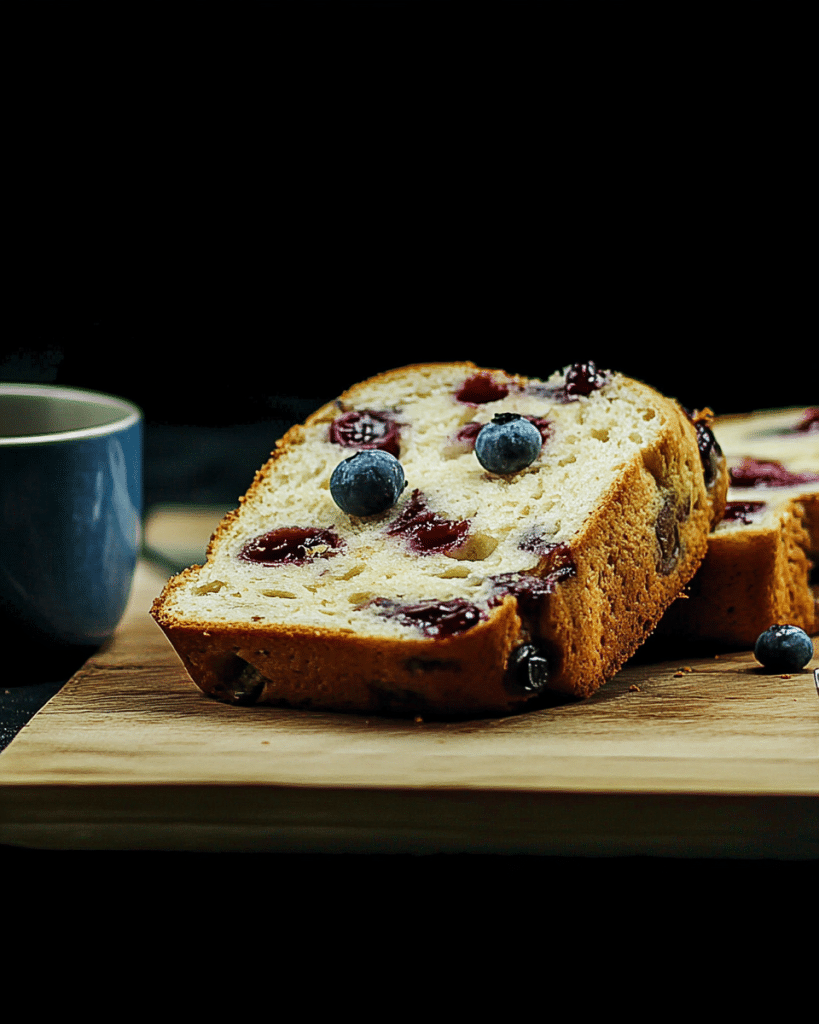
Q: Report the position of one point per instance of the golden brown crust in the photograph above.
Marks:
(298, 667)
(758, 574)
(749, 581)
(618, 602)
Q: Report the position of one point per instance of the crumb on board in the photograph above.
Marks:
(634, 688)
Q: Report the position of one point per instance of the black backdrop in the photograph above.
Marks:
(213, 212)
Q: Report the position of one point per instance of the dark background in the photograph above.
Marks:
(229, 214)
(210, 213)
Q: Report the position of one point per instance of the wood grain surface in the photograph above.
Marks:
(708, 757)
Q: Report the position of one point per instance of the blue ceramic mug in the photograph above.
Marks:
(70, 519)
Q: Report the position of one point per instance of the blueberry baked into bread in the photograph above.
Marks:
(377, 563)
(758, 567)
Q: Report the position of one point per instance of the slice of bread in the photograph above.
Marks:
(757, 572)
(476, 593)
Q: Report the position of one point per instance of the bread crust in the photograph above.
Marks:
(632, 558)
(757, 574)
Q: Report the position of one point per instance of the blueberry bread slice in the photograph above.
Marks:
(477, 591)
(757, 571)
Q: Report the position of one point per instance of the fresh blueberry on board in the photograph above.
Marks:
(508, 444)
(367, 483)
(783, 648)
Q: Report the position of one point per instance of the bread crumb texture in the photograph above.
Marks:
(590, 440)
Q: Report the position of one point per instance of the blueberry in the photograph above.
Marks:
(783, 649)
(367, 483)
(508, 444)
(528, 670)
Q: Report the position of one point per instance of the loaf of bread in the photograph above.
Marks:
(476, 592)
(757, 571)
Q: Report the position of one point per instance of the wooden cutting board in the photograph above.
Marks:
(703, 758)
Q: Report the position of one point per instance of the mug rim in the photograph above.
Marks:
(131, 413)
